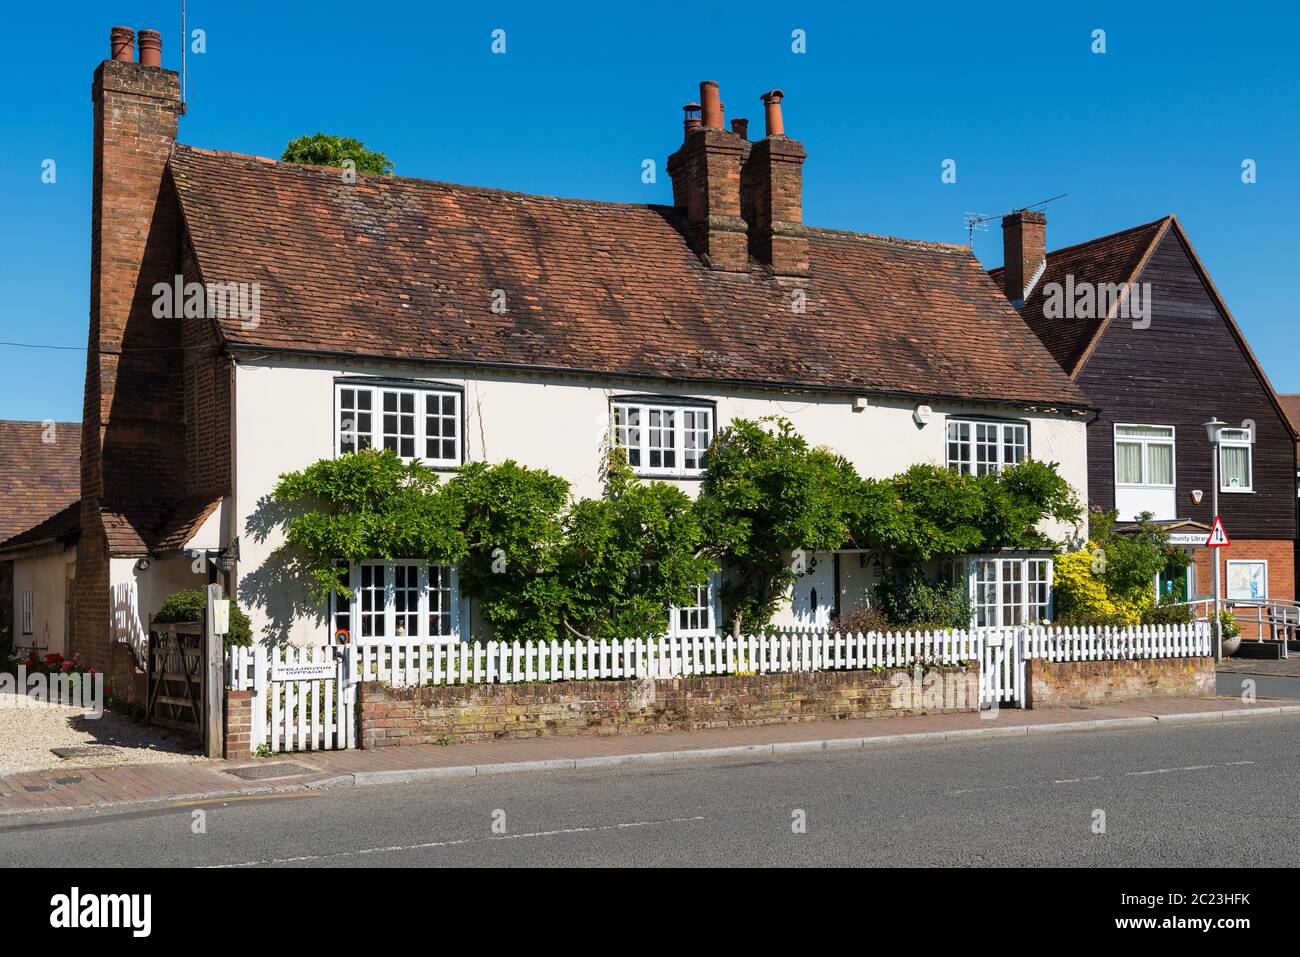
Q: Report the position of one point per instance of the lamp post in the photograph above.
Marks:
(1213, 430)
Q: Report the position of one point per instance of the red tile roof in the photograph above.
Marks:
(38, 478)
(1114, 258)
(399, 268)
(1291, 406)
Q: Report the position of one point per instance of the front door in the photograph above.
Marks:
(813, 598)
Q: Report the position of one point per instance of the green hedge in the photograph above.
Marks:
(191, 604)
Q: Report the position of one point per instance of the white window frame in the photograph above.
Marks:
(29, 603)
(1145, 442)
(678, 410)
(420, 394)
(389, 615)
(1227, 577)
(1000, 581)
(711, 609)
(1247, 443)
(966, 460)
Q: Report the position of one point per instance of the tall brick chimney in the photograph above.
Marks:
(771, 191)
(133, 433)
(706, 183)
(1024, 252)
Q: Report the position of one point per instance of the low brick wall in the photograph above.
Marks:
(1055, 684)
(238, 725)
(452, 714)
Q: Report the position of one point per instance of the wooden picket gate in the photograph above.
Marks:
(303, 698)
(1002, 668)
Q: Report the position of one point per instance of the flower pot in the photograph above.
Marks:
(1230, 646)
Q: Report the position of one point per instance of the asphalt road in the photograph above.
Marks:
(1266, 686)
(1221, 794)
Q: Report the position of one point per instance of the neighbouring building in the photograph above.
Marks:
(39, 486)
(459, 323)
(1291, 405)
(1137, 323)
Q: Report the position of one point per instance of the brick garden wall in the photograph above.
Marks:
(461, 713)
(1057, 684)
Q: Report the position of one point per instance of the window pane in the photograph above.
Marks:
(627, 432)
(354, 419)
(441, 427)
(1160, 464)
(1013, 592)
(1128, 463)
(696, 435)
(1235, 465)
(1015, 444)
(342, 619)
(440, 599)
(663, 439)
(986, 448)
(959, 451)
(370, 595)
(399, 423)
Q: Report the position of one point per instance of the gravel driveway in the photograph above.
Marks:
(28, 733)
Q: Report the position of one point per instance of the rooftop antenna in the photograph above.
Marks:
(184, 44)
(975, 222)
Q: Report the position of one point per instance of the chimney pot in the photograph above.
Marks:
(121, 43)
(772, 112)
(150, 48)
(710, 105)
(691, 122)
(740, 127)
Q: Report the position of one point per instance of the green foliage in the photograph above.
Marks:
(1018, 498)
(512, 520)
(1112, 581)
(367, 505)
(907, 600)
(767, 493)
(628, 556)
(323, 149)
(191, 605)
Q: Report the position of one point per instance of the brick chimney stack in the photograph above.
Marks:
(706, 183)
(771, 188)
(1024, 252)
(133, 365)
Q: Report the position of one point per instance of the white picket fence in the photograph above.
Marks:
(304, 697)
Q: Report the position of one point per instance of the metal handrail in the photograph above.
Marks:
(1281, 615)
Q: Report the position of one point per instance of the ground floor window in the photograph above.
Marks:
(1009, 590)
(396, 600)
(701, 616)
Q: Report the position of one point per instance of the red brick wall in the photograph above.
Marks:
(1061, 684)
(1280, 555)
(706, 187)
(430, 715)
(133, 415)
(238, 742)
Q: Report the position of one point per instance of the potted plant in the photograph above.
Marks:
(1231, 632)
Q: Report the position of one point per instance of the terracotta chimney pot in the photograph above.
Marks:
(150, 48)
(121, 43)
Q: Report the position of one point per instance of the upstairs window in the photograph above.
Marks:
(1144, 455)
(416, 422)
(980, 448)
(1235, 461)
(662, 439)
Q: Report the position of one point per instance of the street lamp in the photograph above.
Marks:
(1213, 431)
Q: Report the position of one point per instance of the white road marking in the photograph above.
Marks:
(469, 840)
(1098, 777)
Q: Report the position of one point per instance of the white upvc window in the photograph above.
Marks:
(28, 606)
(1010, 590)
(416, 422)
(977, 447)
(400, 599)
(702, 616)
(1144, 456)
(1236, 465)
(663, 439)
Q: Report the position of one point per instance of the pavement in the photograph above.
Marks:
(1207, 793)
(106, 787)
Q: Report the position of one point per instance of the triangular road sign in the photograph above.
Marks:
(1218, 538)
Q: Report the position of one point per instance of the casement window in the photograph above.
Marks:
(1144, 456)
(663, 439)
(393, 600)
(1247, 580)
(1010, 591)
(1235, 461)
(28, 606)
(699, 618)
(979, 448)
(416, 421)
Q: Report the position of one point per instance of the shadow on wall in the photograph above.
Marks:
(276, 591)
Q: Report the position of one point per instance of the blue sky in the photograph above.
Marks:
(1160, 123)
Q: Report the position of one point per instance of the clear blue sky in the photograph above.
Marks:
(884, 94)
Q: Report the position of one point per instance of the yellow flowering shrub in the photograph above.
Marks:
(1082, 592)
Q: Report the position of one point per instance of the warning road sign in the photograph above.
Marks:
(1218, 538)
